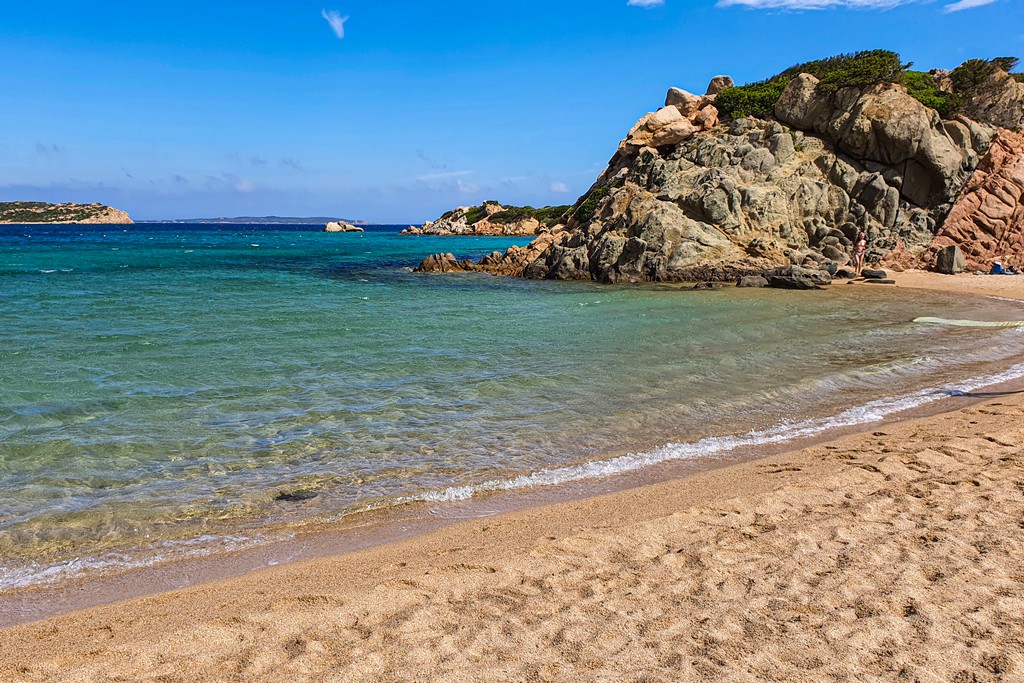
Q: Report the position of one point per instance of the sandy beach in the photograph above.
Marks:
(896, 554)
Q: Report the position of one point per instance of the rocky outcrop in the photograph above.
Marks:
(513, 262)
(924, 159)
(987, 221)
(341, 226)
(683, 115)
(686, 198)
(40, 212)
(489, 219)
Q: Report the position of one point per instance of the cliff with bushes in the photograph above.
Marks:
(40, 212)
(787, 171)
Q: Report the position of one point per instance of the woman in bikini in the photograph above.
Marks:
(859, 250)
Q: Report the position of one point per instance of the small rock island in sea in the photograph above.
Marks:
(491, 218)
(41, 212)
(341, 226)
(777, 178)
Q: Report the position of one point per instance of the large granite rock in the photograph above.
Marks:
(987, 221)
(883, 125)
(685, 198)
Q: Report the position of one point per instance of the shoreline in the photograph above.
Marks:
(236, 555)
(604, 506)
(324, 600)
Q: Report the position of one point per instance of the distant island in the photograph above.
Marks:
(41, 212)
(265, 220)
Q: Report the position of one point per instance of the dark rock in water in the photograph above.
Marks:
(879, 282)
(707, 285)
(752, 281)
(795, 277)
(950, 260)
(295, 496)
(845, 274)
(874, 274)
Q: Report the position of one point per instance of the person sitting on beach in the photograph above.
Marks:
(859, 250)
(997, 268)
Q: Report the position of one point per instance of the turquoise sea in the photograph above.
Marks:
(169, 389)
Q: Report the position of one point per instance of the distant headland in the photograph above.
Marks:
(41, 212)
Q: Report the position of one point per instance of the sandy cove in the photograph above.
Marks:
(896, 554)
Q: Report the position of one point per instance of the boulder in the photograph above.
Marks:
(444, 263)
(341, 226)
(718, 84)
(795, 277)
(872, 274)
(752, 281)
(845, 274)
(687, 103)
(950, 260)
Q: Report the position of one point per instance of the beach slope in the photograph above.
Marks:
(892, 555)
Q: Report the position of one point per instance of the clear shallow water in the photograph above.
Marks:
(183, 387)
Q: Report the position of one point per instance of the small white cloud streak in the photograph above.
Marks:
(646, 3)
(561, 188)
(965, 4)
(442, 176)
(336, 21)
(816, 4)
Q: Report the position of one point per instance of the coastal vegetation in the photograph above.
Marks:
(862, 69)
(546, 215)
(584, 208)
(859, 69)
(549, 216)
(41, 212)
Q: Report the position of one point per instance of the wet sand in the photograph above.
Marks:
(894, 554)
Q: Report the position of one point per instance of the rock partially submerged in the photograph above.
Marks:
(341, 226)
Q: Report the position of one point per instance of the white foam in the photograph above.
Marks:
(873, 411)
(37, 573)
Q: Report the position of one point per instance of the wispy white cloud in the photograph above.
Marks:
(336, 21)
(443, 176)
(816, 4)
(560, 187)
(646, 3)
(966, 4)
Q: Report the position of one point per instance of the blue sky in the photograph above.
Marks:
(190, 108)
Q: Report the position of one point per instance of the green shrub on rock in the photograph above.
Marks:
(859, 69)
(923, 88)
(548, 215)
